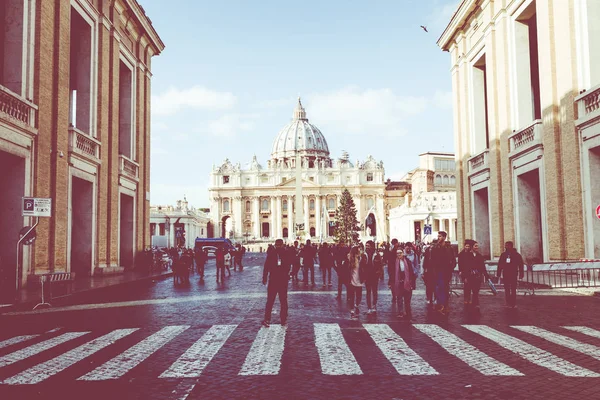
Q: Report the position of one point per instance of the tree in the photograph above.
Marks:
(346, 224)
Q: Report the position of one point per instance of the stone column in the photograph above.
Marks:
(279, 217)
(290, 216)
(171, 234)
(256, 216)
(452, 233)
(359, 214)
(306, 216)
(318, 215)
(238, 212)
(273, 227)
(381, 222)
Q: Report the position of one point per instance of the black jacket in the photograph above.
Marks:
(510, 269)
(277, 267)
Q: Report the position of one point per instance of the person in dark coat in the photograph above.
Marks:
(326, 263)
(373, 272)
(465, 261)
(510, 265)
(390, 260)
(474, 274)
(308, 254)
(276, 274)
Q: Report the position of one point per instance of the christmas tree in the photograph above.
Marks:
(346, 224)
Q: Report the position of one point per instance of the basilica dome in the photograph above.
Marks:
(299, 135)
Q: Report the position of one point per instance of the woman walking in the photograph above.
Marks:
(403, 284)
(373, 267)
(354, 263)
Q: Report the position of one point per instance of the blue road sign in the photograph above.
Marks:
(427, 229)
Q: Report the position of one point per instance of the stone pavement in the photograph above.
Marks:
(162, 341)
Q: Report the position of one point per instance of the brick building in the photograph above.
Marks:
(75, 127)
(525, 76)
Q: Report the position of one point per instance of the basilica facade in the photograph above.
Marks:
(258, 202)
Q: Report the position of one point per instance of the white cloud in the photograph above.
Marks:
(168, 194)
(229, 125)
(442, 99)
(378, 112)
(288, 102)
(197, 97)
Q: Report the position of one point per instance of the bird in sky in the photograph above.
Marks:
(424, 28)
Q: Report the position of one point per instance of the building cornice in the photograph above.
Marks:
(458, 22)
(144, 22)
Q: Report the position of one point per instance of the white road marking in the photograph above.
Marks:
(466, 352)
(43, 371)
(532, 353)
(395, 349)
(196, 358)
(334, 353)
(38, 348)
(561, 340)
(15, 340)
(265, 354)
(129, 359)
(585, 330)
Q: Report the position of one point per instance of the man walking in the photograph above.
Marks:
(510, 264)
(443, 262)
(276, 273)
(308, 257)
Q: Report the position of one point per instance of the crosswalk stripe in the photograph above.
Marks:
(532, 353)
(561, 340)
(265, 354)
(129, 359)
(38, 348)
(42, 371)
(334, 353)
(466, 352)
(196, 358)
(15, 340)
(395, 349)
(585, 330)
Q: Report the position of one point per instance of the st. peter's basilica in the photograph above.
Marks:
(258, 202)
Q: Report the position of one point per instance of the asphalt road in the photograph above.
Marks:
(205, 341)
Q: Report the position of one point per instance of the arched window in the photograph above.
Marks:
(370, 202)
(438, 179)
(225, 205)
(265, 205)
(247, 206)
(453, 180)
(313, 232)
(285, 205)
(446, 180)
(331, 205)
(285, 232)
(311, 204)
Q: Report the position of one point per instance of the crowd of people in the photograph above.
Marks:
(363, 266)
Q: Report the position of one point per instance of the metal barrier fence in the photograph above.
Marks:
(544, 276)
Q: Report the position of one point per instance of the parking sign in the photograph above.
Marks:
(37, 207)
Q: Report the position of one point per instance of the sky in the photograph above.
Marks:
(370, 79)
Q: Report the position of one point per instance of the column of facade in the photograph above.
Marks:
(273, 227)
(381, 229)
(290, 211)
(452, 233)
(306, 216)
(256, 215)
(171, 233)
(238, 218)
(318, 215)
(279, 217)
(357, 202)
(443, 225)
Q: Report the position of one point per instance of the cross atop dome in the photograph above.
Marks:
(299, 112)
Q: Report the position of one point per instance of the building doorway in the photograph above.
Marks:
(371, 225)
(82, 239)
(481, 221)
(594, 172)
(12, 184)
(530, 216)
(417, 230)
(226, 227)
(265, 230)
(313, 232)
(126, 231)
(285, 233)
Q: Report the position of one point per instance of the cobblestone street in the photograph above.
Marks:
(163, 341)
